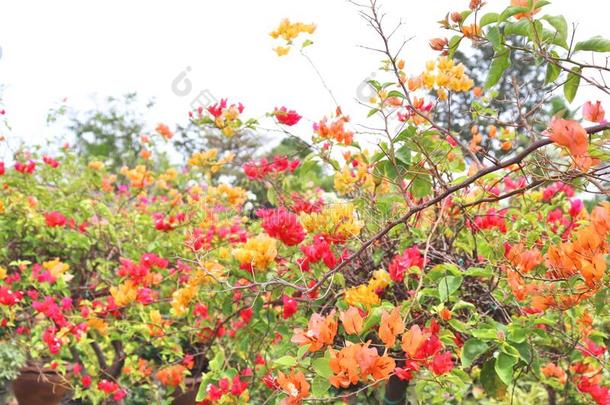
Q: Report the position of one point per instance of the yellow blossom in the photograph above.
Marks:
(381, 279)
(56, 268)
(259, 252)
(362, 295)
(337, 220)
(96, 165)
(124, 293)
(2, 273)
(181, 299)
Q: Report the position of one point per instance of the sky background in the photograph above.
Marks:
(75, 50)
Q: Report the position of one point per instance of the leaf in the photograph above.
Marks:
(421, 186)
(372, 112)
(559, 23)
(595, 44)
(218, 361)
(472, 349)
(552, 73)
(302, 350)
(453, 45)
(447, 286)
(396, 93)
(403, 154)
(285, 361)
(319, 386)
(322, 367)
(511, 11)
(500, 63)
(488, 19)
(495, 38)
(517, 334)
(490, 381)
(571, 85)
(504, 367)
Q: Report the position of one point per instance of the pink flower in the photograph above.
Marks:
(441, 363)
(401, 263)
(593, 112)
(286, 117)
(283, 225)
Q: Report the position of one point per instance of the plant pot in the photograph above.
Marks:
(187, 397)
(40, 386)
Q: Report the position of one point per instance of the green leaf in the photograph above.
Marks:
(488, 19)
(511, 11)
(218, 361)
(500, 63)
(490, 381)
(396, 93)
(517, 334)
(472, 349)
(372, 112)
(302, 350)
(320, 386)
(447, 286)
(421, 186)
(560, 24)
(322, 367)
(403, 154)
(285, 361)
(595, 44)
(552, 73)
(504, 367)
(495, 38)
(453, 45)
(571, 85)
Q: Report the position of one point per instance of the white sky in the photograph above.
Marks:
(73, 49)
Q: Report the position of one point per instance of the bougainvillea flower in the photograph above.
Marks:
(352, 320)
(55, 218)
(391, 325)
(282, 224)
(399, 265)
(320, 331)
(294, 385)
(286, 117)
(441, 363)
(570, 134)
(290, 306)
(164, 131)
(593, 112)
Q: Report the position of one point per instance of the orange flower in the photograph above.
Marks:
(352, 320)
(391, 325)
(171, 376)
(477, 92)
(358, 362)
(593, 112)
(412, 340)
(471, 31)
(445, 314)
(320, 331)
(524, 3)
(569, 134)
(164, 131)
(524, 260)
(295, 385)
(438, 44)
(552, 370)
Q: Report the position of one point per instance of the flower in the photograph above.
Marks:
(411, 257)
(441, 363)
(55, 219)
(257, 253)
(294, 385)
(570, 134)
(390, 326)
(320, 331)
(352, 320)
(358, 362)
(593, 112)
(171, 376)
(290, 306)
(286, 117)
(282, 225)
(164, 131)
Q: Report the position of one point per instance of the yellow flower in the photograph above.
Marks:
(337, 220)
(56, 268)
(2, 273)
(258, 252)
(96, 165)
(98, 324)
(208, 273)
(125, 293)
(362, 295)
(235, 196)
(181, 299)
(381, 279)
(282, 50)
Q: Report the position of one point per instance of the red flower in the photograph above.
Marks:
(25, 168)
(401, 263)
(55, 218)
(85, 381)
(290, 306)
(50, 161)
(2, 169)
(442, 363)
(282, 225)
(286, 117)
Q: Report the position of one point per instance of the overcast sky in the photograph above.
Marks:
(57, 49)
